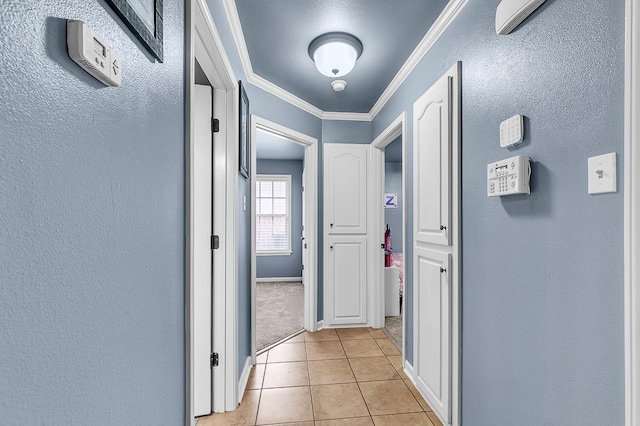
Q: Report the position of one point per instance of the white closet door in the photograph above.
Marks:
(346, 279)
(345, 188)
(432, 163)
(345, 219)
(202, 267)
(432, 311)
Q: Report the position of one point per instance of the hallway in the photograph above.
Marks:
(331, 377)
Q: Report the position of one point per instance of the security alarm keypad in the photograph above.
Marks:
(510, 176)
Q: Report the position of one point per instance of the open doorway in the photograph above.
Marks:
(278, 199)
(394, 218)
(389, 158)
(283, 274)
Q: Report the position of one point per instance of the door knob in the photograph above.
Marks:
(442, 270)
(301, 238)
(331, 225)
(442, 227)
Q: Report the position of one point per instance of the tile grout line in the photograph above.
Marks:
(306, 355)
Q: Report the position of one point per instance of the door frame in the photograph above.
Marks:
(310, 221)
(632, 213)
(376, 269)
(204, 43)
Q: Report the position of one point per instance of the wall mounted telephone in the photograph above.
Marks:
(93, 54)
(510, 176)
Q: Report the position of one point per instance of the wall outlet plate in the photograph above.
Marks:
(602, 173)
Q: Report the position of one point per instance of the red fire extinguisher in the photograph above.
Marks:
(387, 247)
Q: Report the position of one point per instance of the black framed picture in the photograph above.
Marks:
(144, 19)
(245, 132)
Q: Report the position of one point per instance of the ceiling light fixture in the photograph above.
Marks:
(335, 54)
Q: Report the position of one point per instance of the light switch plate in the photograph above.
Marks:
(602, 173)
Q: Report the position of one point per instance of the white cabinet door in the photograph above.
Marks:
(345, 188)
(346, 280)
(432, 162)
(432, 317)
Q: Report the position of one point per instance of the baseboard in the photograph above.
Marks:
(320, 325)
(244, 378)
(278, 279)
(410, 372)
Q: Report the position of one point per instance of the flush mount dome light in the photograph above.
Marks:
(335, 53)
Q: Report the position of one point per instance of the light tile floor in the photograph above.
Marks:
(332, 377)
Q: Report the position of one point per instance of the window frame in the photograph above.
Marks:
(275, 178)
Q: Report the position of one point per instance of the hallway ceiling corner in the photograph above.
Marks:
(273, 37)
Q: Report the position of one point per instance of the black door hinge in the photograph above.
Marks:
(214, 359)
(215, 125)
(215, 242)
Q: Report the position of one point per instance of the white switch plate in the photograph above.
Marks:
(602, 173)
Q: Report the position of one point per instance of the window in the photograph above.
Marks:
(273, 214)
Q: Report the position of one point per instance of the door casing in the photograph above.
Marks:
(632, 214)
(376, 266)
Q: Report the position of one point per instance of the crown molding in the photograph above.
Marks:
(347, 116)
(439, 26)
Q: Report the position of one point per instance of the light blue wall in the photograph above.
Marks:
(337, 131)
(393, 217)
(92, 229)
(291, 265)
(542, 290)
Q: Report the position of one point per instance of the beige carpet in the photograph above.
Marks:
(279, 311)
(393, 330)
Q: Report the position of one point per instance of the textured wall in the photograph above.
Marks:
(291, 265)
(542, 290)
(92, 229)
(336, 131)
(393, 217)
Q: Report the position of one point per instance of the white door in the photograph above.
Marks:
(345, 188)
(346, 280)
(432, 311)
(345, 219)
(435, 258)
(202, 231)
(432, 162)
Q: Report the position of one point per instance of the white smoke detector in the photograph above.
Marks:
(338, 85)
(511, 13)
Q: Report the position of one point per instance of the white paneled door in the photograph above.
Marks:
(432, 129)
(345, 219)
(347, 275)
(346, 188)
(436, 241)
(433, 316)
(202, 224)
